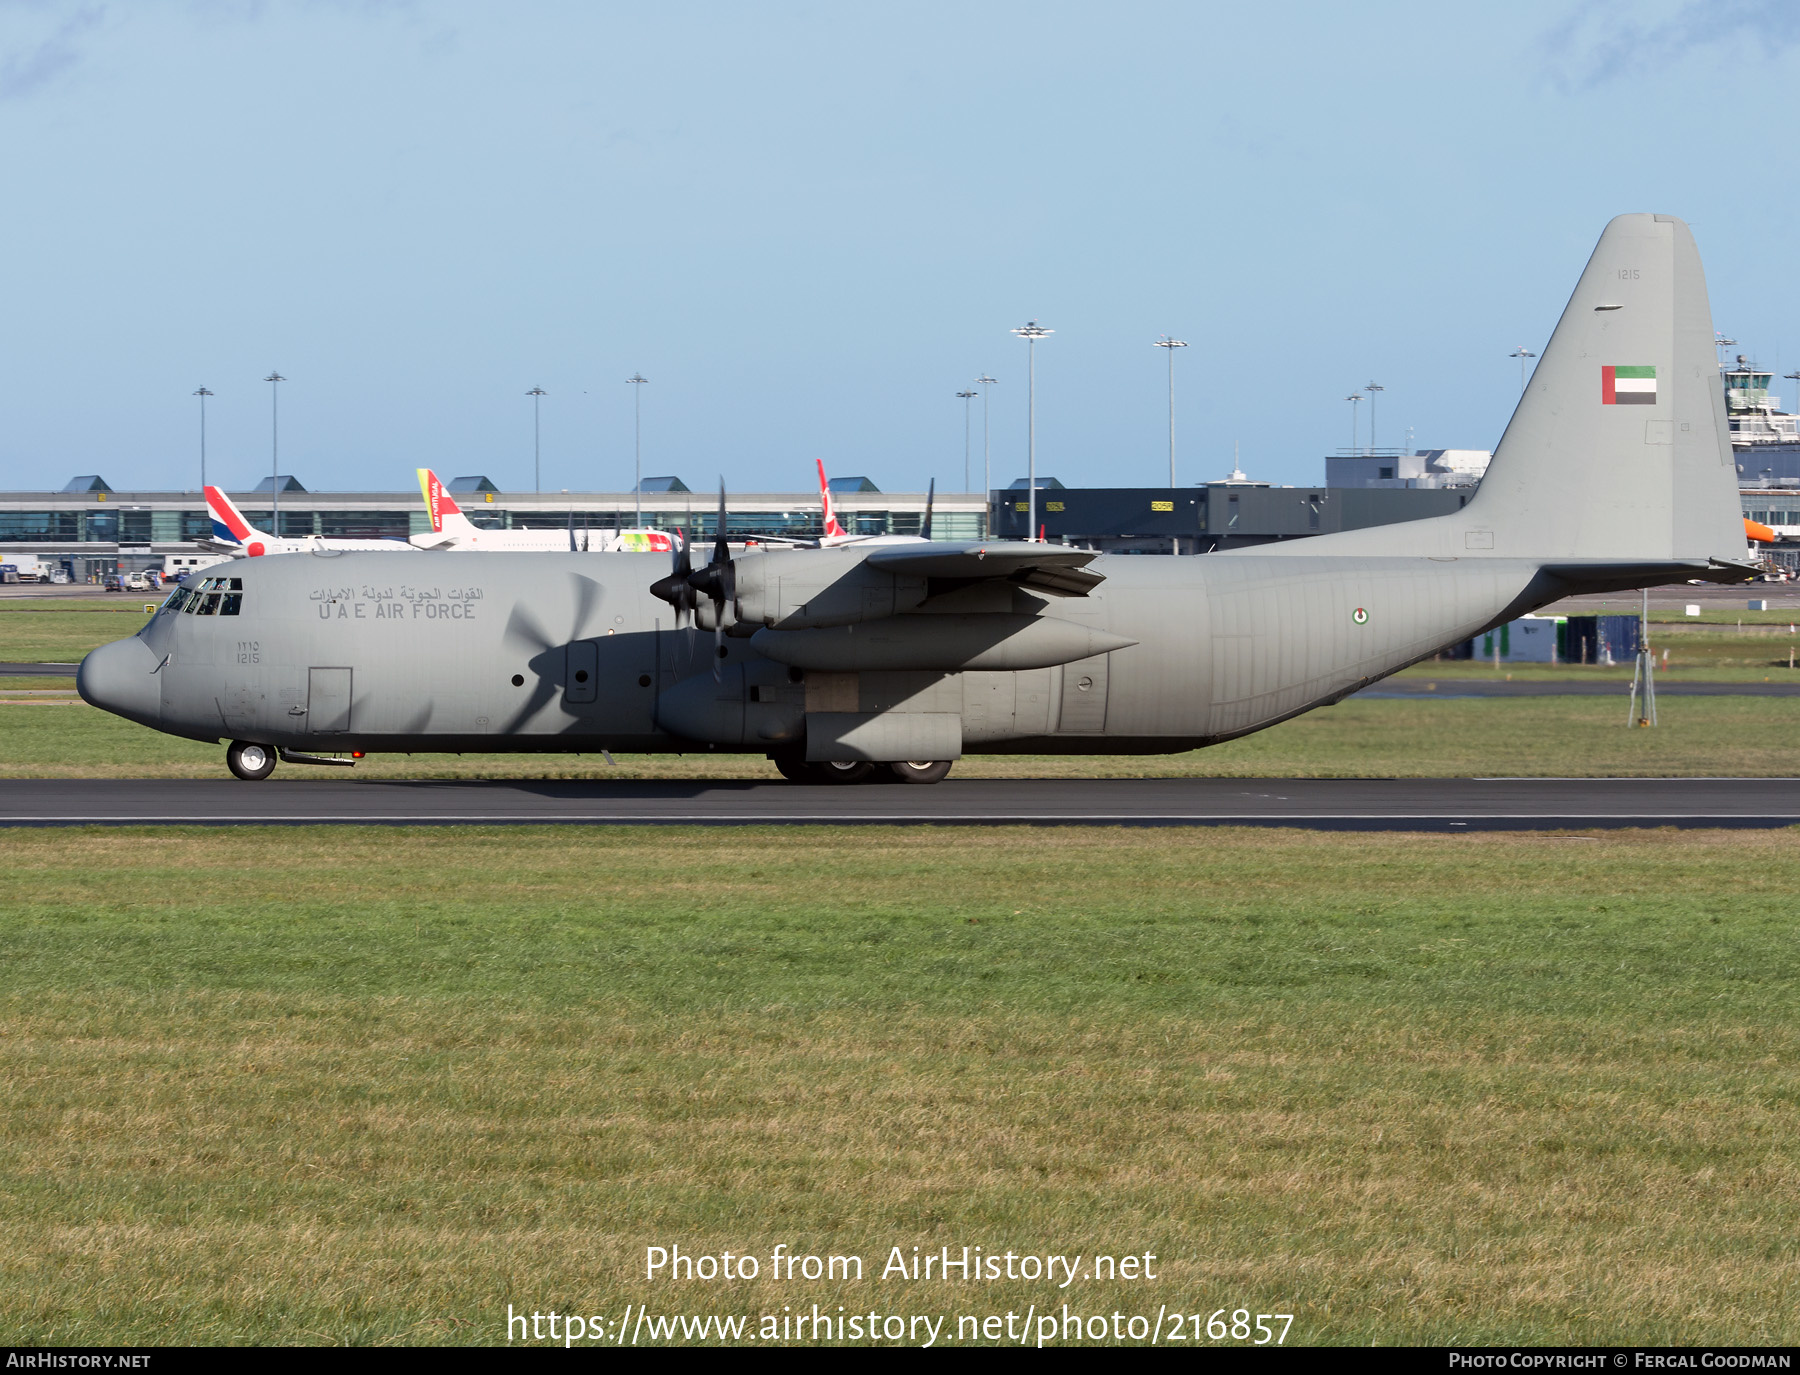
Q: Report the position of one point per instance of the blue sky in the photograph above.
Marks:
(810, 225)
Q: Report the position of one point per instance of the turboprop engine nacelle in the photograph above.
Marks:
(801, 589)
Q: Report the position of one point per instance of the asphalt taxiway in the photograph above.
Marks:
(1429, 804)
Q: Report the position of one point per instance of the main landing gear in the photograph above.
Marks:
(795, 769)
(250, 761)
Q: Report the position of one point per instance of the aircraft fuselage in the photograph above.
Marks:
(548, 652)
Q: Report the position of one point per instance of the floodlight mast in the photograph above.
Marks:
(1165, 342)
(965, 395)
(275, 379)
(987, 477)
(537, 464)
(1031, 331)
(1355, 432)
(203, 393)
(1371, 389)
(1521, 353)
(635, 382)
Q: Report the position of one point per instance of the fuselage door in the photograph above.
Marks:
(582, 681)
(1084, 695)
(328, 701)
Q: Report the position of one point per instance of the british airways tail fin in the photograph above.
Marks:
(229, 528)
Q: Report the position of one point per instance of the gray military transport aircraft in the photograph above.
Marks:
(1615, 472)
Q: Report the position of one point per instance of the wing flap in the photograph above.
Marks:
(1046, 568)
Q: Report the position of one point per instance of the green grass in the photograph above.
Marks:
(1360, 738)
(59, 634)
(360, 1086)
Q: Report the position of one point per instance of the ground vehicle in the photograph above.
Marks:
(180, 565)
(25, 568)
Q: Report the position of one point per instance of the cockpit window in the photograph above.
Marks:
(210, 597)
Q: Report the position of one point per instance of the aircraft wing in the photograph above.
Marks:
(1047, 568)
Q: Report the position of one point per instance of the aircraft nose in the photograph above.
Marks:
(120, 678)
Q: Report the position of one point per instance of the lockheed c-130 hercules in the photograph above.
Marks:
(1615, 472)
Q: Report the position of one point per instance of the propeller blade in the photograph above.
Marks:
(572, 548)
(930, 496)
(677, 589)
(721, 547)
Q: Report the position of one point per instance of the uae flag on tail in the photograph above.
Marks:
(1620, 386)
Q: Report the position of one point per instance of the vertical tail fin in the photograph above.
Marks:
(1619, 448)
(441, 506)
(832, 529)
(229, 525)
(1618, 451)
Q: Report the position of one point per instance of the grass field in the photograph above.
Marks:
(336, 1085)
(1360, 738)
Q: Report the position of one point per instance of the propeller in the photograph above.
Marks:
(717, 582)
(925, 525)
(675, 589)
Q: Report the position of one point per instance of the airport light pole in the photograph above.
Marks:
(1521, 353)
(1031, 331)
(537, 453)
(1371, 389)
(275, 379)
(1353, 398)
(1721, 343)
(636, 382)
(203, 393)
(987, 477)
(1793, 377)
(1170, 345)
(966, 396)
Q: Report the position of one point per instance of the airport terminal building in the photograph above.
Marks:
(92, 529)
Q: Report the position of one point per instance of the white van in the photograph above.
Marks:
(180, 565)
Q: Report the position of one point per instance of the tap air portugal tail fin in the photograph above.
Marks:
(1618, 453)
(832, 529)
(230, 531)
(448, 523)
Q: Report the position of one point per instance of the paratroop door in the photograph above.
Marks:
(1084, 695)
(328, 701)
(583, 681)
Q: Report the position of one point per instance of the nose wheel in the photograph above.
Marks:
(250, 761)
